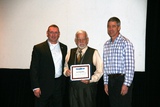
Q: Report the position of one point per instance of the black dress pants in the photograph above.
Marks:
(52, 100)
(83, 95)
(115, 97)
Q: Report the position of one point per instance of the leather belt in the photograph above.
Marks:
(115, 75)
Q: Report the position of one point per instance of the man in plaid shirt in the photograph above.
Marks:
(119, 65)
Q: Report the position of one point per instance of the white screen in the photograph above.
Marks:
(24, 23)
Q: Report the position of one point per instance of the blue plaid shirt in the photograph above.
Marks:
(118, 58)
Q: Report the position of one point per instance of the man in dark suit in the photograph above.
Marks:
(46, 70)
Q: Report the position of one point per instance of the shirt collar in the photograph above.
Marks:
(118, 37)
(52, 45)
(83, 50)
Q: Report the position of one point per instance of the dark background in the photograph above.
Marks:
(15, 83)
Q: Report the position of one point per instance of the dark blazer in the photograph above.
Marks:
(42, 69)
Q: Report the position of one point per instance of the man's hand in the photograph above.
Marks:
(37, 92)
(68, 73)
(85, 81)
(106, 89)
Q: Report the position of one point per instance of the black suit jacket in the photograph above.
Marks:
(42, 69)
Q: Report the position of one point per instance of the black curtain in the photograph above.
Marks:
(152, 53)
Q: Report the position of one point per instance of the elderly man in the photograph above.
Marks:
(83, 92)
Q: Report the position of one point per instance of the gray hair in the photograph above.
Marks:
(81, 31)
(115, 19)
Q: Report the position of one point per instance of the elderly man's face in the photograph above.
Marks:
(81, 40)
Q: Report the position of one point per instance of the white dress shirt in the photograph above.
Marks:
(57, 58)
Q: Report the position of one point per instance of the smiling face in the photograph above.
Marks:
(113, 29)
(81, 39)
(53, 34)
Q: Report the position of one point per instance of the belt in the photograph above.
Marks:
(115, 75)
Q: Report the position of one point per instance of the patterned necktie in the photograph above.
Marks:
(79, 56)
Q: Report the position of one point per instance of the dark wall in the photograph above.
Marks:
(153, 53)
(15, 89)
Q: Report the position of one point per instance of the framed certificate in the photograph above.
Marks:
(80, 72)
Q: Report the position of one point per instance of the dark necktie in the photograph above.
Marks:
(79, 56)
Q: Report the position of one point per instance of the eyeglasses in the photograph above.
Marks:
(56, 33)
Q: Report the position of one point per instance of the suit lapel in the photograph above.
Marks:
(48, 51)
(63, 50)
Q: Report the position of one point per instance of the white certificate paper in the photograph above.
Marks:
(80, 72)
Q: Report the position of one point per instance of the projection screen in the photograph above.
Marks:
(24, 23)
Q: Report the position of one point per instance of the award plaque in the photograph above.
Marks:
(80, 72)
